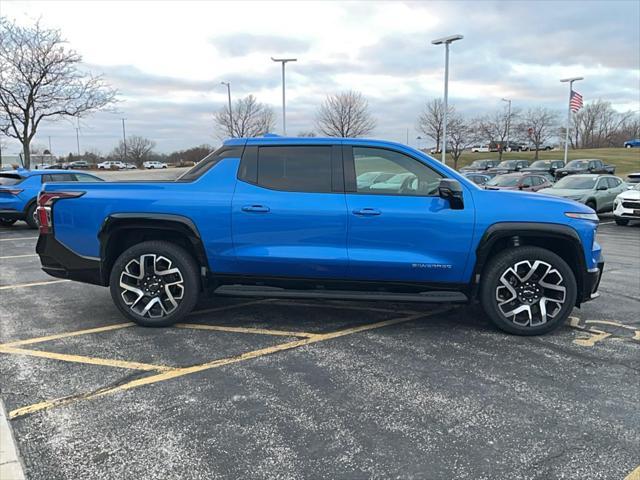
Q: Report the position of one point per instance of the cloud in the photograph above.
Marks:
(241, 44)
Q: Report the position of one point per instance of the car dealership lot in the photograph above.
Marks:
(290, 389)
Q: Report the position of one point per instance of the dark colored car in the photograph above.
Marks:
(480, 166)
(528, 182)
(635, 143)
(78, 164)
(544, 166)
(477, 177)
(585, 165)
(508, 166)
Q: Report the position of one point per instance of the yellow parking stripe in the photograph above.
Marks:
(88, 360)
(57, 336)
(33, 284)
(180, 372)
(635, 475)
(19, 256)
(258, 331)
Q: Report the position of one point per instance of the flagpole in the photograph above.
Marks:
(566, 138)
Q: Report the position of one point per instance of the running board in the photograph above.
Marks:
(275, 292)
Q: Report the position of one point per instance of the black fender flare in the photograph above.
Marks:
(118, 222)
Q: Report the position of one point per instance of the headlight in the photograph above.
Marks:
(583, 216)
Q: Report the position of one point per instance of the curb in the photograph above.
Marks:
(10, 464)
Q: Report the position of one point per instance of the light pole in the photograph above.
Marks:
(284, 112)
(78, 137)
(446, 41)
(230, 112)
(566, 138)
(124, 141)
(508, 122)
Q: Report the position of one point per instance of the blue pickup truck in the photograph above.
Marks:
(299, 217)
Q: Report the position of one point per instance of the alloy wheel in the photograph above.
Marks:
(530, 293)
(151, 286)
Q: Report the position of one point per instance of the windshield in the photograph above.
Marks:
(576, 183)
(504, 181)
(507, 164)
(577, 164)
(479, 163)
(541, 164)
(10, 179)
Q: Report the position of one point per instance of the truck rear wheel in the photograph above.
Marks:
(528, 291)
(155, 283)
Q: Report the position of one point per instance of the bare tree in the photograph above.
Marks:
(139, 150)
(599, 125)
(250, 119)
(540, 124)
(461, 134)
(495, 127)
(40, 78)
(431, 120)
(345, 114)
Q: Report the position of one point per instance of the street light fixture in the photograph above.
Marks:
(446, 41)
(566, 138)
(230, 112)
(284, 113)
(508, 121)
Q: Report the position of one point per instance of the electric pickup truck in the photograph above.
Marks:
(287, 218)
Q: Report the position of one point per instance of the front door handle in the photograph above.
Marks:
(255, 208)
(367, 212)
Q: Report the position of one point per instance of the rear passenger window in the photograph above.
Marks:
(613, 182)
(58, 177)
(295, 168)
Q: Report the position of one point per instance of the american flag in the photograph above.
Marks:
(575, 102)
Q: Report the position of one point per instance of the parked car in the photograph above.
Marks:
(586, 165)
(508, 166)
(57, 166)
(596, 191)
(480, 148)
(477, 177)
(367, 179)
(154, 164)
(633, 177)
(19, 191)
(278, 212)
(111, 164)
(541, 147)
(635, 143)
(529, 182)
(480, 165)
(129, 166)
(513, 147)
(79, 164)
(626, 206)
(547, 166)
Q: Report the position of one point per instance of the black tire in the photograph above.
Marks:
(30, 216)
(591, 204)
(559, 275)
(7, 222)
(622, 221)
(179, 259)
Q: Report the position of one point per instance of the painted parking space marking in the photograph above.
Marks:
(598, 330)
(259, 331)
(57, 336)
(83, 359)
(183, 371)
(18, 256)
(32, 284)
(17, 238)
(634, 475)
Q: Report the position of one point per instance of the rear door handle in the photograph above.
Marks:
(255, 208)
(367, 212)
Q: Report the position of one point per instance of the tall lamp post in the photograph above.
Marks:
(508, 121)
(446, 41)
(124, 141)
(284, 113)
(566, 138)
(230, 111)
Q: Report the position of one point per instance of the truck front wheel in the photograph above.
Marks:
(155, 283)
(528, 290)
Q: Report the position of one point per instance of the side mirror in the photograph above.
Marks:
(451, 190)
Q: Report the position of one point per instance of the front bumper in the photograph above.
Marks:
(621, 211)
(590, 283)
(59, 261)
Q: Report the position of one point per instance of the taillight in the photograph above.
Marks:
(45, 203)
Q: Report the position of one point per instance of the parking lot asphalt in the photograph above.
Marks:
(307, 389)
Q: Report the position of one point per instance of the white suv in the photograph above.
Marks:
(626, 206)
(154, 165)
(111, 164)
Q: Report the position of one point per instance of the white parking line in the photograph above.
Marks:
(17, 238)
(19, 256)
(33, 284)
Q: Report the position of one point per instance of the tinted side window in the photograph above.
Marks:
(209, 161)
(59, 177)
(10, 179)
(385, 172)
(527, 182)
(83, 177)
(296, 168)
(613, 182)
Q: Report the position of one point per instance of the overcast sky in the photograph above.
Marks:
(168, 58)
